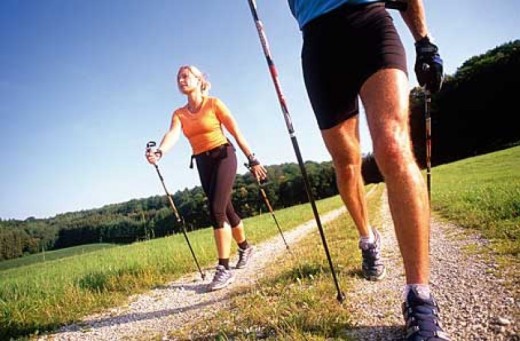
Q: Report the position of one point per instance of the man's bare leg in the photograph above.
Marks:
(385, 99)
(342, 142)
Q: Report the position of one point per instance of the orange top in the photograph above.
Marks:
(203, 128)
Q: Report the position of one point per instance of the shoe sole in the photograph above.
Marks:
(241, 266)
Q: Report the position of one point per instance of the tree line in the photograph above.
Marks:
(141, 219)
(471, 115)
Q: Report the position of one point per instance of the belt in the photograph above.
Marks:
(208, 152)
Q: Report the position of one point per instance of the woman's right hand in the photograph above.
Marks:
(153, 156)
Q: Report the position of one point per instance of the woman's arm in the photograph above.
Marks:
(229, 122)
(231, 125)
(168, 141)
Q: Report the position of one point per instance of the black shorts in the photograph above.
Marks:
(341, 50)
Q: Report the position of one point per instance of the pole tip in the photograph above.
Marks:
(341, 297)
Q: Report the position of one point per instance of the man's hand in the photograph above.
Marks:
(428, 65)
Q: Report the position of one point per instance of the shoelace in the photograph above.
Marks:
(242, 254)
(220, 274)
(371, 254)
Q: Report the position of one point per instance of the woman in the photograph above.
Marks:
(201, 121)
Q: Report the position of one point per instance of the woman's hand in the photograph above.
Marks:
(259, 172)
(153, 156)
(256, 168)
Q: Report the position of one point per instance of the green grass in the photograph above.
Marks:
(51, 255)
(483, 194)
(297, 299)
(40, 296)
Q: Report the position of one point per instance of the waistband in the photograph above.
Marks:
(208, 152)
(346, 8)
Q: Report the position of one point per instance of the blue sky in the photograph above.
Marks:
(84, 85)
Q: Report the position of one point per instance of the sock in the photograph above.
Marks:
(422, 290)
(224, 262)
(244, 245)
(370, 239)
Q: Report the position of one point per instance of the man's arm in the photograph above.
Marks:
(415, 18)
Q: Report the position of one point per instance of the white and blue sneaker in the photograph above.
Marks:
(222, 278)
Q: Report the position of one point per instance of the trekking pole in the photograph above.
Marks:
(274, 76)
(428, 120)
(266, 201)
(149, 147)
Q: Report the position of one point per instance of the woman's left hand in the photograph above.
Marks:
(259, 172)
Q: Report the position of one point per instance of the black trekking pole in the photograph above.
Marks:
(268, 204)
(274, 76)
(428, 120)
(149, 147)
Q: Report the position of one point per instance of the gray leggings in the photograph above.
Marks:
(217, 171)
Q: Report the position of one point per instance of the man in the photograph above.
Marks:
(351, 49)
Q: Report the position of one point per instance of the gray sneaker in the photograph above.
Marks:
(243, 257)
(373, 268)
(222, 278)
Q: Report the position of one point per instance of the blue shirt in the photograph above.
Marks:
(306, 10)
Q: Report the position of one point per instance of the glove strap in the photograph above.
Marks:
(424, 45)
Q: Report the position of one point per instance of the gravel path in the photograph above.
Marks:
(474, 304)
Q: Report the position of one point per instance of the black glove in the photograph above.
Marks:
(428, 65)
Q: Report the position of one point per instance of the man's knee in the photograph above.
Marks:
(346, 170)
(394, 158)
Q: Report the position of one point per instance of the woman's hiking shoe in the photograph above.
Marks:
(243, 256)
(422, 318)
(222, 278)
(372, 267)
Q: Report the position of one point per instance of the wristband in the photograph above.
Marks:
(158, 153)
(253, 161)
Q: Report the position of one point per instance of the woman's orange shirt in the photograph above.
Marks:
(203, 128)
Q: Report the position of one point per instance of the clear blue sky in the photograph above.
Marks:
(85, 84)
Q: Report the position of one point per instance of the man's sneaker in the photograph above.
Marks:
(243, 256)
(373, 268)
(422, 318)
(222, 278)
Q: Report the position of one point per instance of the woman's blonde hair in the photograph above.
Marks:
(205, 85)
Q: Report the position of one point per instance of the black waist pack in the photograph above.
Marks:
(216, 153)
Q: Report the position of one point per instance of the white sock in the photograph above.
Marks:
(370, 239)
(422, 290)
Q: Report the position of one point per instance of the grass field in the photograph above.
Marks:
(47, 256)
(39, 296)
(481, 193)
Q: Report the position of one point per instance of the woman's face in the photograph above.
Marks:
(187, 81)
